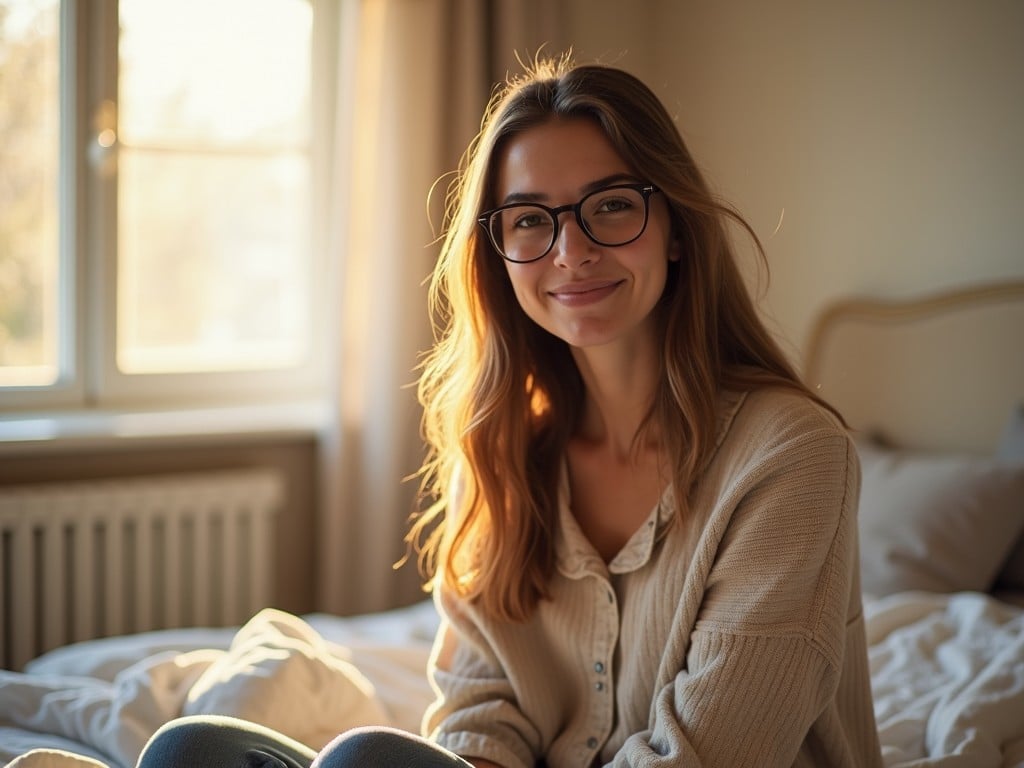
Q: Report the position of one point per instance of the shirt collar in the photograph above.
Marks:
(576, 556)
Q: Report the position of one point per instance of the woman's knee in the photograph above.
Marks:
(379, 747)
(222, 742)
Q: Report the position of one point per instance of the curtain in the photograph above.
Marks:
(412, 78)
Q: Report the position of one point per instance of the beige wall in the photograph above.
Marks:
(888, 132)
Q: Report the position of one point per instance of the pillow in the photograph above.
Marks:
(936, 522)
(1011, 448)
(281, 674)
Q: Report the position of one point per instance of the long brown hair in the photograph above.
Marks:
(501, 396)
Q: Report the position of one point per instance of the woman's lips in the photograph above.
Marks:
(583, 293)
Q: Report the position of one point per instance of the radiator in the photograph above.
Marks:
(106, 557)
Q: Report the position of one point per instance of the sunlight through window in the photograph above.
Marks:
(29, 203)
(213, 164)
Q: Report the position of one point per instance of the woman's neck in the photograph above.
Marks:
(620, 382)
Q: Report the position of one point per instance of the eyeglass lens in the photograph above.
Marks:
(610, 217)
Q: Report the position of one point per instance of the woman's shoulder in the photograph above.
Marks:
(788, 405)
(770, 416)
(781, 441)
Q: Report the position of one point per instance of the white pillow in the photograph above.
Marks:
(936, 522)
(281, 674)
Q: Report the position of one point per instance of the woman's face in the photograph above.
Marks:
(586, 294)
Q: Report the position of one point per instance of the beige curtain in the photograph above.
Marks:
(412, 78)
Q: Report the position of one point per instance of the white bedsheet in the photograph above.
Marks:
(947, 670)
(947, 675)
(309, 678)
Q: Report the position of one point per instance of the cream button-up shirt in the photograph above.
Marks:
(739, 642)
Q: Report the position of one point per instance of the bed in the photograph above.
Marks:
(934, 387)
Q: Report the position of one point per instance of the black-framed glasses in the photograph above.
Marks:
(611, 216)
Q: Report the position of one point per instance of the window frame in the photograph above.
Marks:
(88, 376)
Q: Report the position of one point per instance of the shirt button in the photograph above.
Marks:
(592, 743)
(598, 686)
(599, 668)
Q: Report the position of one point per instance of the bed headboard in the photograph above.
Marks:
(938, 372)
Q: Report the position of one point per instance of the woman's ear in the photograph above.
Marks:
(675, 249)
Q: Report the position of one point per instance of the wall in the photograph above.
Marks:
(599, 30)
(886, 136)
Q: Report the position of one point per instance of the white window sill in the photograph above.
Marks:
(92, 430)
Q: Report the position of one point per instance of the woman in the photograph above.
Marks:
(643, 526)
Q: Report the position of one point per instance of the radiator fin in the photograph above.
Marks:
(105, 557)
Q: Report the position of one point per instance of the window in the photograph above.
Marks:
(29, 152)
(157, 236)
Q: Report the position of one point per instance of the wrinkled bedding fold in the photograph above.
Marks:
(947, 676)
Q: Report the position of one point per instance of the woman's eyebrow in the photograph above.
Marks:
(615, 178)
(592, 186)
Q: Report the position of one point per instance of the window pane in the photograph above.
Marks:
(29, 154)
(212, 261)
(213, 185)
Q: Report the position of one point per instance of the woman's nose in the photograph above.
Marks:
(572, 247)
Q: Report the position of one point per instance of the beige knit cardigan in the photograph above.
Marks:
(741, 645)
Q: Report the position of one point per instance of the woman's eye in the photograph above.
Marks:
(528, 220)
(613, 205)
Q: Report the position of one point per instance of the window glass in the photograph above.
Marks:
(29, 201)
(213, 185)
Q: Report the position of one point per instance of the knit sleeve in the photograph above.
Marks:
(764, 657)
(476, 713)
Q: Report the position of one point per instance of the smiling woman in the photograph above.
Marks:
(639, 524)
(607, 267)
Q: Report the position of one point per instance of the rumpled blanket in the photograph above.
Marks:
(947, 674)
(278, 672)
(947, 678)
